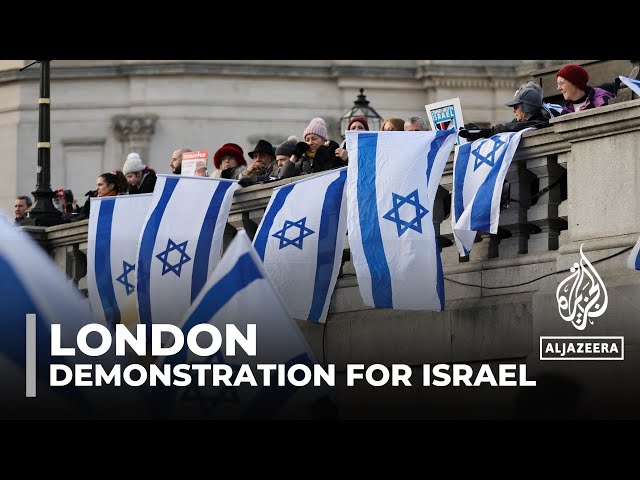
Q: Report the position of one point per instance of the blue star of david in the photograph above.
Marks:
(296, 242)
(490, 158)
(126, 268)
(163, 257)
(394, 214)
(208, 402)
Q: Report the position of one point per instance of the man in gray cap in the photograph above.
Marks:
(528, 109)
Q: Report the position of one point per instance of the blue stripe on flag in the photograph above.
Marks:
(270, 399)
(462, 161)
(439, 275)
(16, 302)
(260, 242)
(146, 250)
(203, 249)
(369, 226)
(441, 136)
(481, 208)
(102, 262)
(638, 261)
(243, 273)
(327, 240)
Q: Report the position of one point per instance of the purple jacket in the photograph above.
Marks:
(596, 97)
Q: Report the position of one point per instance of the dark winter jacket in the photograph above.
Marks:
(147, 185)
(325, 159)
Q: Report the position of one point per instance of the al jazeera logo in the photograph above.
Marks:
(582, 297)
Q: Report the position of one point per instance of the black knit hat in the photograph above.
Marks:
(287, 147)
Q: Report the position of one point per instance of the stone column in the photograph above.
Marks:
(513, 231)
(135, 132)
(540, 151)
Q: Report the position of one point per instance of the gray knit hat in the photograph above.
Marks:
(287, 147)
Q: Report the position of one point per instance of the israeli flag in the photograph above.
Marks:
(180, 244)
(633, 262)
(392, 179)
(479, 170)
(552, 107)
(115, 225)
(300, 241)
(240, 293)
(35, 295)
(633, 84)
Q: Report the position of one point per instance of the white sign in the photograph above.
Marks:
(191, 161)
(446, 115)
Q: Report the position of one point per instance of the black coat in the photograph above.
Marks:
(147, 186)
(325, 159)
(537, 120)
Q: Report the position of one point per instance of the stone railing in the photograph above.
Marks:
(499, 297)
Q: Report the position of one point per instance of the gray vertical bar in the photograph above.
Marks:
(31, 355)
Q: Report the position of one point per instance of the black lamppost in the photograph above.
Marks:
(43, 212)
(361, 108)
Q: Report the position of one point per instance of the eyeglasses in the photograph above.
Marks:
(561, 83)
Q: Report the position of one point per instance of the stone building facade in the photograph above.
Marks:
(103, 109)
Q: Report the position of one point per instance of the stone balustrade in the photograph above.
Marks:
(495, 306)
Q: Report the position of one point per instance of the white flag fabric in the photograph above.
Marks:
(392, 179)
(35, 294)
(631, 83)
(300, 240)
(240, 292)
(479, 170)
(180, 244)
(633, 262)
(115, 225)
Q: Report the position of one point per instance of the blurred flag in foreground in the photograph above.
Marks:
(35, 295)
(239, 293)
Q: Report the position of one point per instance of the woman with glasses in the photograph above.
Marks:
(572, 83)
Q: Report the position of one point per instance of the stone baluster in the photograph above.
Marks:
(513, 230)
(538, 153)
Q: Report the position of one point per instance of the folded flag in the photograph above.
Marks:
(479, 171)
(632, 83)
(633, 262)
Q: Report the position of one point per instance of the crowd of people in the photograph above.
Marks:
(317, 152)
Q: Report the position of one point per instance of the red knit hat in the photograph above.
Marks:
(233, 150)
(574, 74)
(362, 120)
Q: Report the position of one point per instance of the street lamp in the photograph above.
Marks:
(361, 108)
(43, 213)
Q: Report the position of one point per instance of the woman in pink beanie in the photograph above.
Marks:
(316, 154)
(572, 83)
